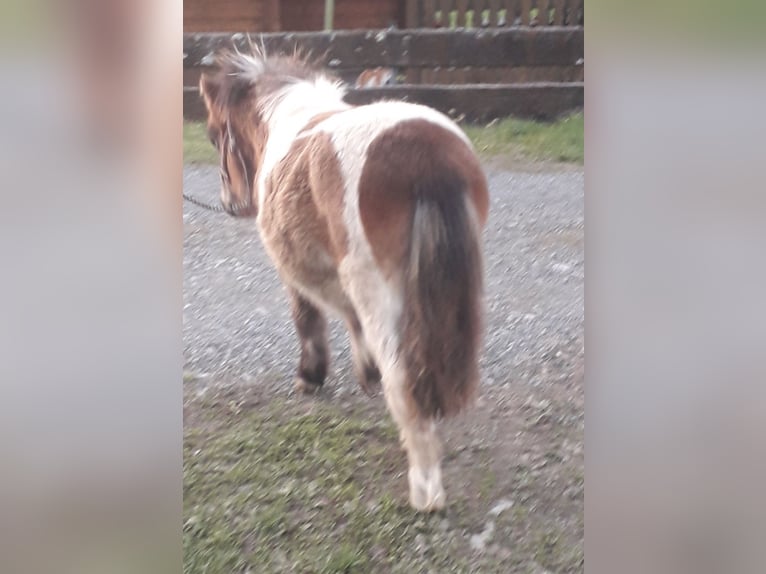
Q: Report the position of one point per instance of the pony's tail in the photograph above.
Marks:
(442, 314)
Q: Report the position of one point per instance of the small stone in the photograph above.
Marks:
(500, 506)
(420, 543)
(479, 541)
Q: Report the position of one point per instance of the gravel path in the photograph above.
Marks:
(237, 324)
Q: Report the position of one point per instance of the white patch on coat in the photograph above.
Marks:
(286, 113)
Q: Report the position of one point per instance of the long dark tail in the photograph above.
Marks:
(442, 315)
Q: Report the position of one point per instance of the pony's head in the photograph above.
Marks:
(240, 93)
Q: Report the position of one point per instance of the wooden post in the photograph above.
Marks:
(411, 16)
(558, 15)
(272, 16)
(526, 8)
(329, 13)
(412, 20)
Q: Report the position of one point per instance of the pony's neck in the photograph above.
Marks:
(288, 113)
(299, 102)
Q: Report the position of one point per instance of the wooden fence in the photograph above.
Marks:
(473, 50)
(493, 13)
(308, 15)
(294, 15)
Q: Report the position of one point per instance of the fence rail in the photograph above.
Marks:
(470, 102)
(509, 47)
(493, 13)
(427, 56)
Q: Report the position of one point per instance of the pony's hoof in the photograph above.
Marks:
(370, 388)
(426, 494)
(422, 502)
(306, 387)
(370, 380)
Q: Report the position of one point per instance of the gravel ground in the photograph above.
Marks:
(236, 319)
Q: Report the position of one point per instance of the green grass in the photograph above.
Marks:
(197, 146)
(315, 487)
(301, 493)
(560, 141)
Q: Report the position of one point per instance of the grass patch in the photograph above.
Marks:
(313, 487)
(197, 146)
(561, 141)
(268, 491)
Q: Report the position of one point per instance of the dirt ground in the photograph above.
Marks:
(276, 482)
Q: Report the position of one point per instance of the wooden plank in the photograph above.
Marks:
(459, 76)
(308, 15)
(271, 16)
(462, 8)
(526, 9)
(478, 103)
(558, 14)
(223, 9)
(570, 12)
(427, 19)
(542, 12)
(484, 103)
(481, 18)
(412, 14)
(501, 47)
(510, 7)
(191, 76)
(414, 75)
(194, 107)
(523, 74)
(494, 10)
(205, 25)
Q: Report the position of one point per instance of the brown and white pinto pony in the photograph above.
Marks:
(376, 77)
(371, 212)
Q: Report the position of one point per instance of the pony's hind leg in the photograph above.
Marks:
(425, 475)
(420, 439)
(367, 372)
(312, 333)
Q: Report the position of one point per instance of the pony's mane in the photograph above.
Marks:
(265, 77)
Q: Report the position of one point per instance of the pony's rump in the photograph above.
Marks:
(431, 204)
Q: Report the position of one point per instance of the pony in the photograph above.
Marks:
(376, 77)
(373, 213)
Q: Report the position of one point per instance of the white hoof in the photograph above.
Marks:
(426, 490)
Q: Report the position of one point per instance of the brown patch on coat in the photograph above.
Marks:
(302, 220)
(414, 195)
(318, 119)
(400, 163)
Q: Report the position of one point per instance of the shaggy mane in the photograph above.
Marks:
(263, 77)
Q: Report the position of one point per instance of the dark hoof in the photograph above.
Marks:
(370, 381)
